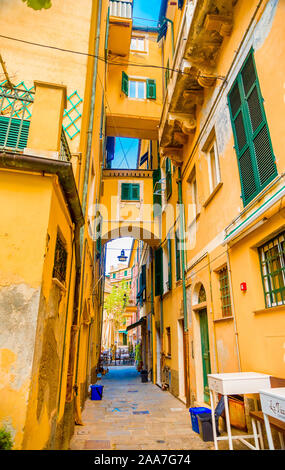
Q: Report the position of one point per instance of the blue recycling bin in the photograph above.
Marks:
(96, 392)
(193, 413)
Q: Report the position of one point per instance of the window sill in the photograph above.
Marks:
(213, 193)
(167, 356)
(275, 309)
(217, 320)
(59, 284)
(179, 283)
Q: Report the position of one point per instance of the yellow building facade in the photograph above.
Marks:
(204, 94)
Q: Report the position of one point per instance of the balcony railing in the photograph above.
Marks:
(121, 9)
(15, 114)
(15, 117)
(64, 153)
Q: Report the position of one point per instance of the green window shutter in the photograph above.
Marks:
(158, 272)
(130, 192)
(125, 192)
(168, 178)
(253, 146)
(135, 192)
(125, 83)
(169, 263)
(156, 175)
(15, 136)
(177, 257)
(151, 89)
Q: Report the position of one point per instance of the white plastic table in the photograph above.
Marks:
(236, 383)
(273, 404)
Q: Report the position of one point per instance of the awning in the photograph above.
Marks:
(135, 325)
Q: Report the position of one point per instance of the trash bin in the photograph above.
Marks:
(144, 375)
(205, 426)
(194, 412)
(96, 392)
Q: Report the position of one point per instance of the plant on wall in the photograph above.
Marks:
(38, 4)
(6, 442)
(115, 305)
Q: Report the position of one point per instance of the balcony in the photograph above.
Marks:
(120, 27)
(204, 26)
(16, 108)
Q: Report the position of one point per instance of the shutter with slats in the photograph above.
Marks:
(169, 263)
(168, 178)
(15, 136)
(252, 140)
(156, 175)
(125, 192)
(158, 272)
(151, 89)
(177, 257)
(135, 190)
(125, 83)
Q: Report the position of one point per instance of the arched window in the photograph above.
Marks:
(202, 295)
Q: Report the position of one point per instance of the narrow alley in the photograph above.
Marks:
(135, 416)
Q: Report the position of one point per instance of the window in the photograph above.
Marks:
(177, 256)
(130, 192)
(114, 275)
(168, 341)
(138, 88)
(167, 75)
(168, 178)
(60, 260)
(169, 263)
(272, 261)
(158, 257)
(125, 273)
(138, 44)
(225, 292)
(214, 167)
(193, 187)
(253, 146)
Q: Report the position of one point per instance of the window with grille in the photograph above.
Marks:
(253, 146)
(60, 260)
(225, 292)
(272, 261)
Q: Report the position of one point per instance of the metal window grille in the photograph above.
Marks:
(60, 260)
(272, 262)
(225, 292)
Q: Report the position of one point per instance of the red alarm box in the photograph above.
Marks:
(243, 286)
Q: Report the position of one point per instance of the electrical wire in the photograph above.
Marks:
(88, 54)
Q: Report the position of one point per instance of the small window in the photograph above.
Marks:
(137, 89)
(114, 275)
(138, 44)
(193, 188)
(272, 261)
(225, 292)
(60, 260)
(130, 192)
(125, 273)
(214, 166)
(168, 341)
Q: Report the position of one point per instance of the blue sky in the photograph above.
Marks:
(149, 10)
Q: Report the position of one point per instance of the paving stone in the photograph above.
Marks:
(146, 417)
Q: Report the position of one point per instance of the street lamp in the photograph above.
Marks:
(122, 256)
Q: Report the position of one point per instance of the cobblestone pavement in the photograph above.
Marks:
(135, 415)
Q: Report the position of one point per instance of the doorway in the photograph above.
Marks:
(158, 359)
(205, 351)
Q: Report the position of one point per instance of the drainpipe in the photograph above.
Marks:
(182, 240)
(172, 34)
(233, 310)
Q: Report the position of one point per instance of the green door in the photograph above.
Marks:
(205, 352)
